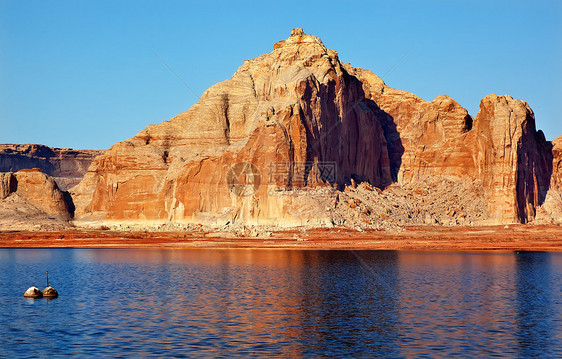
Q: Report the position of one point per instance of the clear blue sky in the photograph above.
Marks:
(84, 74)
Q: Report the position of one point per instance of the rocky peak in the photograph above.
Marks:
(297, 32)
(298, 37)
(295, 108)
(300, 46)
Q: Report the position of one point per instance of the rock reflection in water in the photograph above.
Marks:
(283, 303)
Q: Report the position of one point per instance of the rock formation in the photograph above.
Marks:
(514, 161)
(291, 114)
(551, 210)
(8, 184)
(499, 147)
(292, 129)
(67, 166)
(425, 138)
(37, 189)
(557, 164)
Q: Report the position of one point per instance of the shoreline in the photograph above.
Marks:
(416, 238)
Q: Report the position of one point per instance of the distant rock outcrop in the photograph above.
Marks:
(8, 184)
(292, 129)
(66, 166)
(37, 189)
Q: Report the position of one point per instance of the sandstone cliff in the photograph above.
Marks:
(8, 184)
(551, 210)
(280, 141)
(32, 188)
(514, 161)
(67, 166)
(557, 163)
(284, 116)
(499, 147)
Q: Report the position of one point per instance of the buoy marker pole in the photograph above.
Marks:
(47, 278)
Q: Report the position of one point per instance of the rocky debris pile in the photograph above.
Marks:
(429, 201)
(155, 226)
(551, 211)
(17, 214)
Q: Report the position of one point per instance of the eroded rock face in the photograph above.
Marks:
(66, 165)
(551, 210)
(425, 138)
(500, 147)
(8, 184)
(37, 189)
(286, 116)
(556, 182)
(514, 161)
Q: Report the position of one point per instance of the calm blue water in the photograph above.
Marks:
(257, 303)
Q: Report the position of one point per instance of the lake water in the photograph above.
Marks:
(277, 303)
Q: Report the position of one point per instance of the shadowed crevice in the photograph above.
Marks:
(534, 171)
(69, 203)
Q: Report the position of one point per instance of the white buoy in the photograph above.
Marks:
(33, 292)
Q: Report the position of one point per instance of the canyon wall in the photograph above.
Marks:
(500, 147)
(66, 165)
